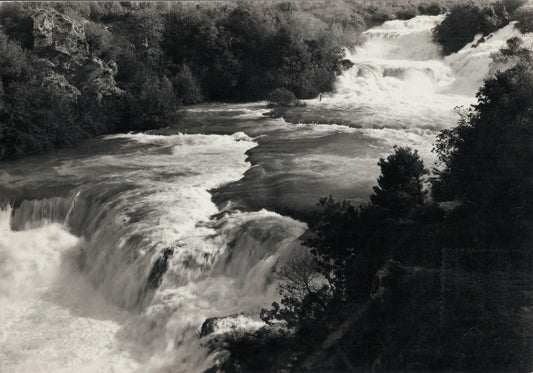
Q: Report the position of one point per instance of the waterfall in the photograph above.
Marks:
(119, 263)
(399, 73)
(142, 233)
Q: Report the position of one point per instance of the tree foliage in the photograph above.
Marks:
(162, 55)
(485, 160)
(477, 250)
(464, 22)
(348, 247)
(399, 187)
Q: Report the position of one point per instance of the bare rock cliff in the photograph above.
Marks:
(62, 42)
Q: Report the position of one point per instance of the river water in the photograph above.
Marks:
(83, 228)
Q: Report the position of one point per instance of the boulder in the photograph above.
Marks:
(229, 324)
(346, 64)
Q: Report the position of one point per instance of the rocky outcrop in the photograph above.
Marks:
(155, 277)
(244, 349)
(158, 270)
(223, 336)
(210, 325)
(330, 347)
(100, 77)
(395, 280)
(346, 64)
(61, 41)
(229, 324)
(59, 84)
(400, 327)
(56, 32)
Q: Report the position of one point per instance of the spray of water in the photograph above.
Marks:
(119, 272)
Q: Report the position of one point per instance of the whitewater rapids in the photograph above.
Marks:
(82, 230)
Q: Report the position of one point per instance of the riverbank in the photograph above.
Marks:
(94, 69)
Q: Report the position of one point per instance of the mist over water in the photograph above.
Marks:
(112, 255)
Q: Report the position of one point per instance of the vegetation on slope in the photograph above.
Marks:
(465, 21)
(421, 282)
(76, 70)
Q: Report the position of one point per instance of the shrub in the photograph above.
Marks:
(405, 14)
(380, 16)
(17, 23)
(512, 5)
(99, 39)
(186, 86)
(282, 97)
(151, 104)
(433, 9)
(524, 17)
(464, 22)
(400, 184)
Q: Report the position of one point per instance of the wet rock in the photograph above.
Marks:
(346, 64)
(239, 322)
(397, 284)
(238, 349)
(158, 270)
(210, 325)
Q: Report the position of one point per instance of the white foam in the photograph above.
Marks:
(399, 79)
(37, 333)
(89, 288)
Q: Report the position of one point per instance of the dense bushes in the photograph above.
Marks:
(281, 97)
(399, 187)
(166, 54)
(161, 56)
(186, 86)
(413, 262)
(486, 159)
(466, 21)
(243, 54)
(524, 18)
(99, 40)
(433, 9)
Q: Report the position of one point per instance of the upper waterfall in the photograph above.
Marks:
(400, 76)
(401, 56)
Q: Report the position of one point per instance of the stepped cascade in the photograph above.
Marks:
(123, 253)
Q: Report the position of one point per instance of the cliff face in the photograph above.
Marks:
(71, 68)
(58, 33)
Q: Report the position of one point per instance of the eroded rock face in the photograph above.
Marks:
(61, 86)
(100, 76)
(59, 33)
(62, 42)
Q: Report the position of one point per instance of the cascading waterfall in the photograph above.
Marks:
(113, 230)
(117, 266)
(398, 72)
(402, 89)
(472, 64)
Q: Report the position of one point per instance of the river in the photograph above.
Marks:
(84, 227)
